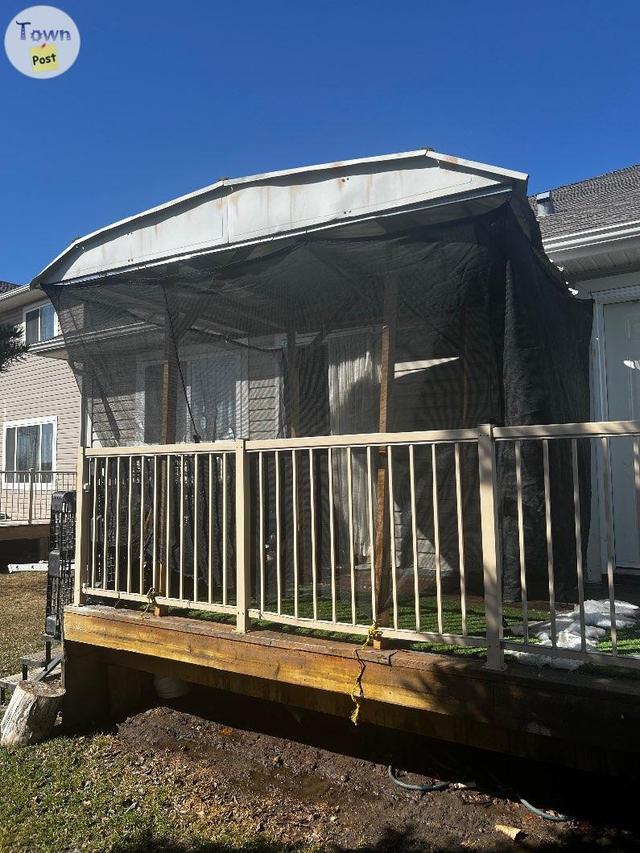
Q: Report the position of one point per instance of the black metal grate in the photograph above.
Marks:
(61, 559)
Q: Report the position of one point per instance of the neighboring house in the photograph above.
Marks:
(591, 230)
(39, 415)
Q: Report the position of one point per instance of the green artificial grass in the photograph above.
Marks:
(628, 638)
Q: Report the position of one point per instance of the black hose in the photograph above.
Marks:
(442, 786)
(556, 818)
(438, 786)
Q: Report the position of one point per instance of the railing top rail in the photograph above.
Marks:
(163, 449)
(370, 439)
(374, 439)
(579, 430)
(35, 471)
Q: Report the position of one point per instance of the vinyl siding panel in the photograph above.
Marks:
(39, 387)
(264, 394)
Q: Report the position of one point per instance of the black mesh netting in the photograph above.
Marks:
(284, 338)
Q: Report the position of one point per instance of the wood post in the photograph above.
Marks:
(387, 357)
(293, 382)
(167, 436)
(293, 400)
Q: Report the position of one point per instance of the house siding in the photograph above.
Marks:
(264, 395)
(39, 387)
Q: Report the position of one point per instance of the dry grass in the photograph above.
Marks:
(22, 608)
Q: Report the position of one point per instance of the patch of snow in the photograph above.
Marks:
(597, 617)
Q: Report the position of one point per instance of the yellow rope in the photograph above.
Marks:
(357, 694)
(151, 596)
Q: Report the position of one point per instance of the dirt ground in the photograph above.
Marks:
(297, 791)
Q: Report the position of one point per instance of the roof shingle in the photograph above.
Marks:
(609, 199)
(6, 286)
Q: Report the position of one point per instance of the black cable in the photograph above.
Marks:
(196, 434)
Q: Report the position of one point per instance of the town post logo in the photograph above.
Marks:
(42, 42)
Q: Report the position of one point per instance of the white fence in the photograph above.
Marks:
(25, 496)
(404, 530)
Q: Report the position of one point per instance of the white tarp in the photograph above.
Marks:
(597, 617)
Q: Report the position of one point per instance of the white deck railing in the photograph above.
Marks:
(338, 533)
(25, 496)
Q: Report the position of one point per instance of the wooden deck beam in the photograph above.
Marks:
(579, 720)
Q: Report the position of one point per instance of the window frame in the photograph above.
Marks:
(26, 422)
(28, 309)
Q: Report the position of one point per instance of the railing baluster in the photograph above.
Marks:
(436, 537)
(392, 537)
(549, 537)
(294, 503)
(314, 567)
(332, 543)
(606, 470)
(211, 492)
(155, 519)
(31, 493)
(225, 529)
(414, 534)
(278, 534)
(261, 542)
(196, 522)
(460, 516)
(370, 511)
(352, 564)
(181, 540)
(521, 542)
(578, 535)
(636, 481)
(168, 526)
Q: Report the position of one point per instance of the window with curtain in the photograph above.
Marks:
(28, 446)
(215, 390)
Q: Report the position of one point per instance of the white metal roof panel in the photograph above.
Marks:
(236, 211)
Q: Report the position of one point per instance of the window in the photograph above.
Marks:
(39, 324)
(217, 392)
(27, 445)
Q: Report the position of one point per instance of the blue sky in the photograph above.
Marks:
(166, 97)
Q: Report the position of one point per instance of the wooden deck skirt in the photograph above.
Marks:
(580, 720)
